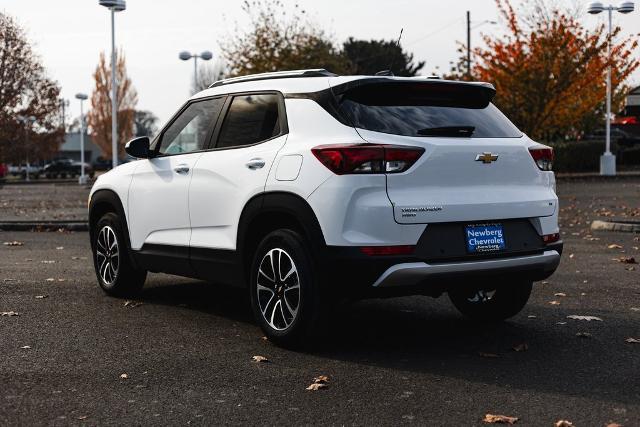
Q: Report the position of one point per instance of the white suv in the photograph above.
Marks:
(308, 187)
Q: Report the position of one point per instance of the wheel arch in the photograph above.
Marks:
(102, 202)
(267, 212)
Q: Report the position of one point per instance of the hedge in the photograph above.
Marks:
(584, 156)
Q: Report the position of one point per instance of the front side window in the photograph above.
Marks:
(427, 110)
(250, 119)
(190, 131)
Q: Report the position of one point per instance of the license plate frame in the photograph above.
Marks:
(484, 238)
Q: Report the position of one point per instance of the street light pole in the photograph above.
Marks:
(608, 159)
(114, 6)
(186, 55)
(83, 178)
(114, 104)
(469, 28)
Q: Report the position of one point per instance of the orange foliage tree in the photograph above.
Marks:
(99, 117)
(549, 71)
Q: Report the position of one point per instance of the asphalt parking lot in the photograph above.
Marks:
(182, 352)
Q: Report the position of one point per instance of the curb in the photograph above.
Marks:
(622, 226)
(594, 176)
(44, 225)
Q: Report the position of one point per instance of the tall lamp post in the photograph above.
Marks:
(186, 55)
(114, 6)
(28, 121)
(469, 28)
(608, 159)
(83, 178)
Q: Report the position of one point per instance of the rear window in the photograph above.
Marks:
(427, 109)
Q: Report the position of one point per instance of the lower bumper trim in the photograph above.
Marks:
(414, 273)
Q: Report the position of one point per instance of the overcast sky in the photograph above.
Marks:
(69, 35)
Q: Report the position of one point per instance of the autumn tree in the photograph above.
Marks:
(145, 123)
(99, 117)
(25, 90)
(280, 39)
(368, 57)
(549, 71)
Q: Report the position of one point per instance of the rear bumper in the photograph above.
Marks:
(537, 267)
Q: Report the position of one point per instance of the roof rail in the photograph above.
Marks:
(315, 72)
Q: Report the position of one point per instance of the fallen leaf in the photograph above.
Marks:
(50, 279)
(583, 335)
(317, 386)
(532, 316)
(124, 376)
(554, 302)
(489, 355)
(521, 347)
(563, 423)
(635, 308)
(499, 419)
(48, 262)
(25, 347)
(626, 260)
(83, 417)
(132, 304)
(322, 379)
(614, 425)
(9, 313)
(561, 323)
(41, 296)
(571, 255)
(587, 318)
(59, 248)
(632, 268)
(260, 359)
(62, 280)
(560, 294)
(614, 246)
(14, 243)
(632, 340)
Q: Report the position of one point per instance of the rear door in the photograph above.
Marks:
(246, 142)
(476, 165)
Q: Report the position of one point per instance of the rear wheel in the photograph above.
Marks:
(495, 304)
(285, 293)
(116, 274)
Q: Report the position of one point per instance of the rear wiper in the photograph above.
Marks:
(456, 131)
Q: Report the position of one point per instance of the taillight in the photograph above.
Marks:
(543, 158)
(344, 159)
(551, 238)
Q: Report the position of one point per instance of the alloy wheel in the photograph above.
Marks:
(107, 255)
(278, 289)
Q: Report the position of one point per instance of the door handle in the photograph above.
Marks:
(181, 169)
(254, 164)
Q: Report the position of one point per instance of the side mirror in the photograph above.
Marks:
(138, 147)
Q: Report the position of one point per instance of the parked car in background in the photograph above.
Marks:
(102, 164)
(66, 168)
(4, 170)
(619, 136)
(21, 171)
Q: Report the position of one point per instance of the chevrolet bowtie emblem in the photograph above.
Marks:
(486, 157)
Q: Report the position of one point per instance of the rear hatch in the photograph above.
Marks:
(476, 164)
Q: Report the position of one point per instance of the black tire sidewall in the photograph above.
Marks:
(129, 280)
(309, 307)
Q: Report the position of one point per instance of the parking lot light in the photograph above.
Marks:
(83, 178)
(608, 159)
(28, 121)
(185, 55)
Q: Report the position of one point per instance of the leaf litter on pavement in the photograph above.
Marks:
(587, 318)
(260, 359)
(499, 419)
(320, 382)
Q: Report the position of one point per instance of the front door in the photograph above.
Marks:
(159, 192)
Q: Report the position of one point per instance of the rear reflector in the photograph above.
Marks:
(543, 158)
(343, 159)
(550, 238)
(387, 250)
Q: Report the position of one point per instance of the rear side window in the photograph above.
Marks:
(250, 119)
(427, 109)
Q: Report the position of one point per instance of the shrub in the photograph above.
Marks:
(584, 156)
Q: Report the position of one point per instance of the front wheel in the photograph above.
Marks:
(116, 274)
(495, 304)
(285, 293)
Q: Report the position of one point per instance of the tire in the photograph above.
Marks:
(289, 311)
(492, 305)
(115, 272)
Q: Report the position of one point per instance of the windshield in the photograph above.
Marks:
(427, 109)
